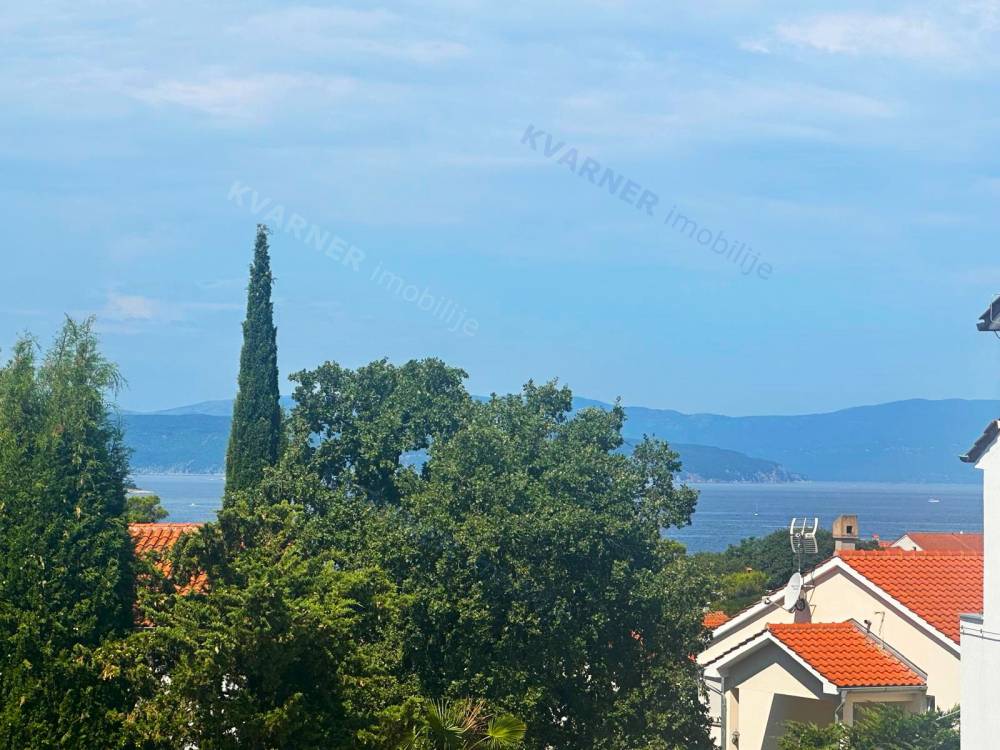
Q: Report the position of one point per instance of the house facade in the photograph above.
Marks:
(980, 628)
(870, 626)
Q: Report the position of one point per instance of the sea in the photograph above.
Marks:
(188, 498)
(726, 513)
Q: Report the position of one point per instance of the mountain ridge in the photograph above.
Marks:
(914, 440)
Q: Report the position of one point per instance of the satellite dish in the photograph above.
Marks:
(793, 591)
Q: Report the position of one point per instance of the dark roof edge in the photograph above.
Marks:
(985, 441)
(990, 320)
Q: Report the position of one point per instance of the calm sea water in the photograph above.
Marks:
(187, 497)
(726, 512)
(729, 512)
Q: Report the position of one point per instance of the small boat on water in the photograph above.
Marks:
(933, 500)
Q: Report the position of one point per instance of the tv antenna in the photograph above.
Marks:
(802, 538)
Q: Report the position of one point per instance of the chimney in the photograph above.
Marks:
(845, 532)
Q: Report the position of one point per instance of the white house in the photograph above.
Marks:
(941, 541)
(981, 627)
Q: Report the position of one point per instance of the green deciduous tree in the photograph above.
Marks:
(66, 568)
(369, 421)
(143, 508)
(739, 590)
(529, 549)
(255, 439)
(282, 647)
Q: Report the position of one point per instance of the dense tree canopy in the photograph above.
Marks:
(356, 428)
(528, 549)
(881, 727)
(282, 646)
(464, 725)
(66, 573)
(144, 508)
(412, 546)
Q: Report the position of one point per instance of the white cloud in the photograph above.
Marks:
(901, 36)
(721, 108)
(985, 13)
(757, 46)
(242, 97)
(308, 21)
(347, 32)
(131, 307)
(132, 311)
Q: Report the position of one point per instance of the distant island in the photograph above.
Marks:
(903, 441)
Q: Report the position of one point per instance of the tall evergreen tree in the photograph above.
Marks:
(256, 432)
(66, 575)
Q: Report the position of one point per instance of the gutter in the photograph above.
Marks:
(886, 689)
(721, 691)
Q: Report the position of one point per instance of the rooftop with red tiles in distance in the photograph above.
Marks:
(845, 655)
(939, 587)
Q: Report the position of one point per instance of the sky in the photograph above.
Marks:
(735, 207)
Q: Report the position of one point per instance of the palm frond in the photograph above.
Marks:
(505, 732)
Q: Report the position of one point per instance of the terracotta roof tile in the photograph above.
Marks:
(845, 655)
(944, 541)
(160, 538)
(937, 586)
(712, 620)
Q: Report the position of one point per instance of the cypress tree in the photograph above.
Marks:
(256, 431)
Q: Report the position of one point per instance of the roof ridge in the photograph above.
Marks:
(882, 645)
(165, 524)
(900, 552)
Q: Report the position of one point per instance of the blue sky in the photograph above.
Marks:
(853, 147)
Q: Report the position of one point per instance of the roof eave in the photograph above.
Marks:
(983, 443)
(990, 320)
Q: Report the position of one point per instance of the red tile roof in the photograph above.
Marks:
(845, 655)
(712, 620)
(937, 586)
(158, 537)
(943, 541)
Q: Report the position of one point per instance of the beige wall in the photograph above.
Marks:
(772, 689)
(835, 597)
(842, 598)
(857, 702)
